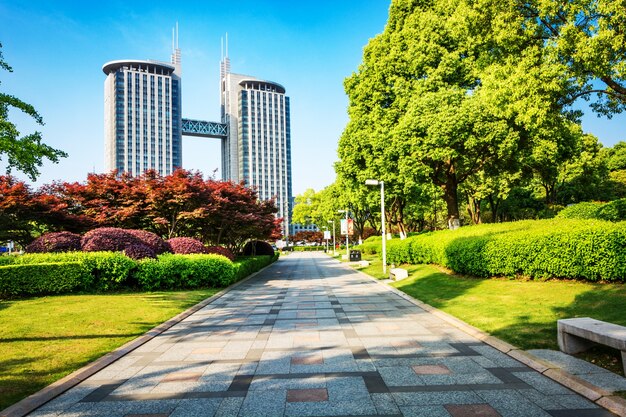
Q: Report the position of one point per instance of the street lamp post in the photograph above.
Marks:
(382, 218)
(325, 237)
(334, 244)
(347, 234)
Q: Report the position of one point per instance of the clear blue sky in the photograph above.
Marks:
(57, 50)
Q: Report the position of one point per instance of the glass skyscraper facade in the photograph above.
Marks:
(142, 106)
(257, 150)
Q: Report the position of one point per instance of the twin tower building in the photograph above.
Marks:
(144, 126)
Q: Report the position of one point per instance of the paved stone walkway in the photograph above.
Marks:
(311, 337)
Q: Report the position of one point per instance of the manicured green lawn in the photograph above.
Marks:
(43, 339)
(521, 312)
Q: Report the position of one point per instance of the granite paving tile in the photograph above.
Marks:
(331, 341)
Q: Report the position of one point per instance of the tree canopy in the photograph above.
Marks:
(474, 98)
(26, 153)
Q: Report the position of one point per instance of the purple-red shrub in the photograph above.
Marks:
(139, 251)
(108, 239)
(151, 240)
(55, 242)
(186, 245)
(220, 250)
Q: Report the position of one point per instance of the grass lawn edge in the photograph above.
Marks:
(39, 398)
(599, 396)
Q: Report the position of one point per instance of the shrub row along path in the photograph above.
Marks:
(311, 337)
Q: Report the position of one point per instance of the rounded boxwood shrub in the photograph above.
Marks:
(139, 251)
(186, 245)
(151, 240)
(111, 239)
(258, 247)
(55, 242)
(220, 250)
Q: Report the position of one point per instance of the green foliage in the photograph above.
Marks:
(584, 210)
(614, 211)
(558, 248)
(25, 153)
(52, 273)
(103, 270)
(371, 247)
(184, 271)
(309, 248)
(41, 279)
(247, 265)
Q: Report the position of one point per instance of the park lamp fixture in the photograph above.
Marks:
(382, 218)
(334, 245)
(347, 236)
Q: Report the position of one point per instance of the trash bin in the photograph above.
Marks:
(355, 255)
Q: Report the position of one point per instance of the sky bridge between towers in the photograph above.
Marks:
(204, 129)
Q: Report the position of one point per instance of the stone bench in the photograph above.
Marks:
(579, 334)
(397, 274)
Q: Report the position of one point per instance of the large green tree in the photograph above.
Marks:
(589, 38)
(476, 95)
(26, 153)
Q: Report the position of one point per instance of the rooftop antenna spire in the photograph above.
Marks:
(225, 62)
(175, 50)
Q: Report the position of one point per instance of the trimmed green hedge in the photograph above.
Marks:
(614, 211)
(45, 278)
(557, 248)
(308, 248)
(245, 266)
(104, 270)
(184, 271)
(53, 273)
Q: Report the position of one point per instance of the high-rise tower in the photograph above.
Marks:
(257, 149)
(142, 115)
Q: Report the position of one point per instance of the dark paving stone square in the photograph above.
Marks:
(101, 393)
(307, 395)
(464, 350)
(375, 384)
(504, 375)
(471, 410)
(241, 383)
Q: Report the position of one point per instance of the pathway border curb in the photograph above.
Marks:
(36, 400)
(595, 394)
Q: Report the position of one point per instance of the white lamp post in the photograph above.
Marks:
(334, 245)
(347, 234)
(382, 218)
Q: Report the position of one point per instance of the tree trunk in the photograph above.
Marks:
(473, 209)
(494, 203)
(450, 196)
